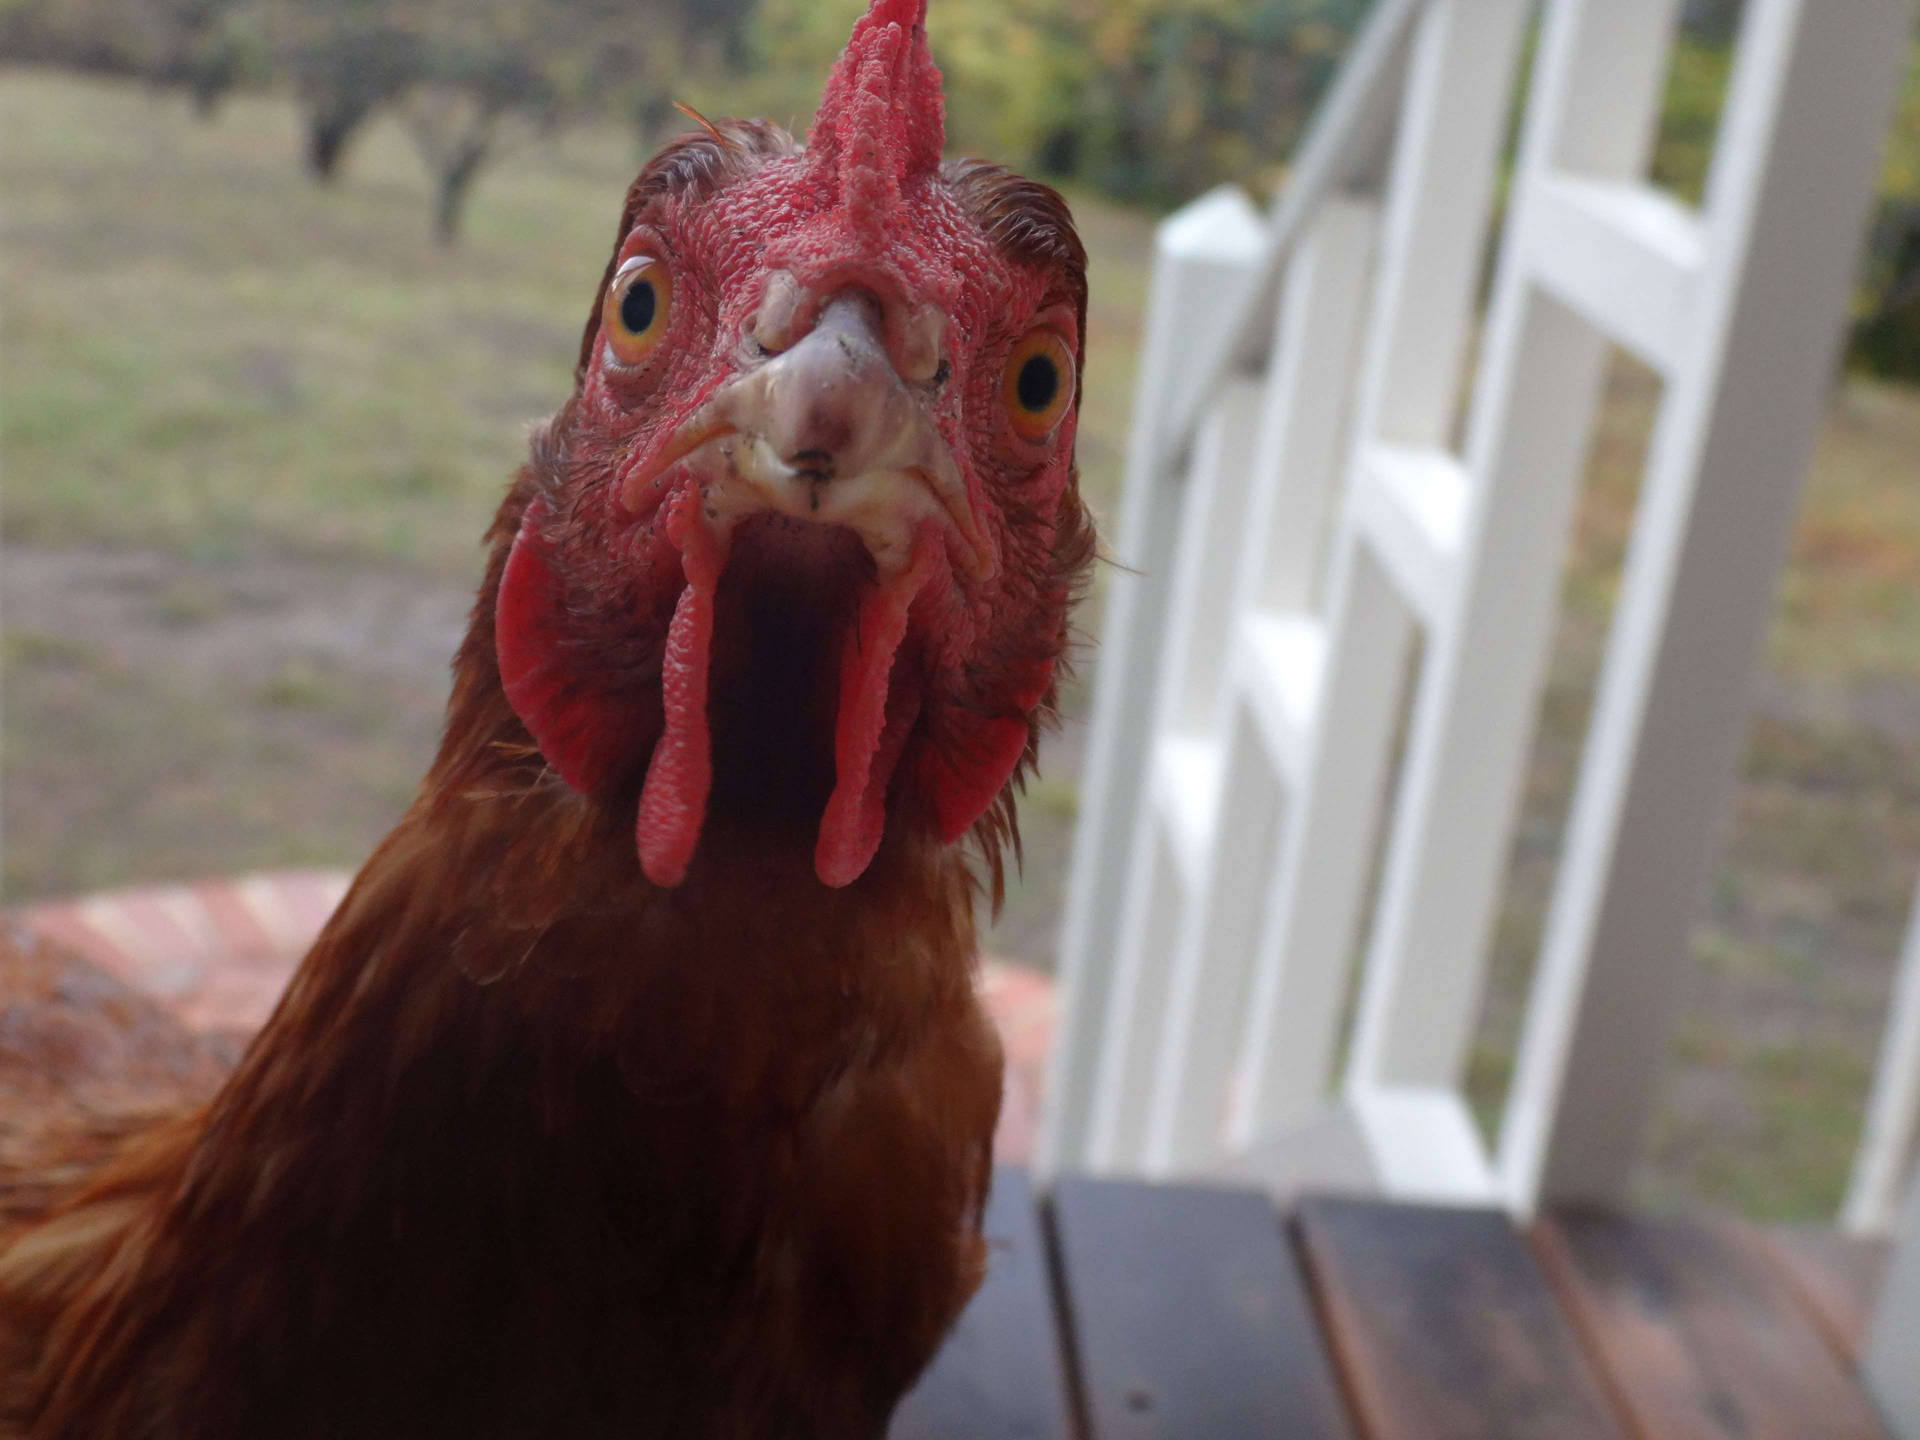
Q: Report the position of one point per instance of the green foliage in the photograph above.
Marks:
(1151, 101)
(1690, 114)
(1886, 332)
(204, 46)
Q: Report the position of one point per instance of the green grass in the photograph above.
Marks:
(205, 350)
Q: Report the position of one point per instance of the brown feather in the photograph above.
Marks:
(86, 1063)
(527, 1132)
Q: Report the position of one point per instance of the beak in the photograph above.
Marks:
(826, 430)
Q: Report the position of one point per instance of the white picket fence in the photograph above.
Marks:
(1318, 480)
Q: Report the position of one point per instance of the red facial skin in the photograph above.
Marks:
(589, 599)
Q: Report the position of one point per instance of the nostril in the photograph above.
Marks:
(813, 465)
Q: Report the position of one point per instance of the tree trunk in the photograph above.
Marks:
(329, 127)
(456, 179)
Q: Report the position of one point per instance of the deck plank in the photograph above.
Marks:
(1189, 1316)
(1697, 1336)
(1835, 1278)
(1444, 1328)
(999, 1376)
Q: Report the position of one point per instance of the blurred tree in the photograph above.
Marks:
(1886, 333)
(1150, 100)
(455, 72)
(202, 46)
(346, 58)
(1713, 20)
(206, 50)
(1886, 337)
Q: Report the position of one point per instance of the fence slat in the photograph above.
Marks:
(1207, 987)
(1892, 1127)
(1887, 1361)
(1310, 395)
(1539, 385)
(1175, 830)
(1627, 257)
(1412, 507)
(1473, 709)
(1275, 532)
(1154, 904)
(1202, 256)
(1212, 520)
(1301, 962)
(1452, 118)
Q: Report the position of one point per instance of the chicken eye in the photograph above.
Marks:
(634, 315)
(1038, 386)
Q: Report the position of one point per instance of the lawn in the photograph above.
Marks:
(252, 429)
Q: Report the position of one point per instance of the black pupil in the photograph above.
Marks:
(636, 309)
(1039, 380)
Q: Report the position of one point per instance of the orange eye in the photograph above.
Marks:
(634, 314)
(1038, 386)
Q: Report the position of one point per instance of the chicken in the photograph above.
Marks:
(638, 1085)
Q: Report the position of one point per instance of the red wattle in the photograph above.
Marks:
(570, 725)
(1034, 677)
(961, 796)
(673, 800)
(870, 728)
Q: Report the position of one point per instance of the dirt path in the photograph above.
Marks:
(167, 719)
(237, 621)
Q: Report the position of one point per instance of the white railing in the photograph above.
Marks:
(1308, 496)
(1891, 1135)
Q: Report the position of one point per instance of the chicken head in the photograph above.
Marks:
(804, 537)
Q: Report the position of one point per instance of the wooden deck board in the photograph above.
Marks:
(1697, 1336)
(1835, 1278)
(1189, 1316)
(1444, 1328)
(999, 1376)
(1116, 1310)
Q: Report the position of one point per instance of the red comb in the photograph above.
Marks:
(880, 120)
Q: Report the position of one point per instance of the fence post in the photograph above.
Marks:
(1890, 1356)
(1204, 255)
(1453, 112)
(1893, 1114)
(1594, 95)
(1792, 174)
(1294, 474)
(1168, 890)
